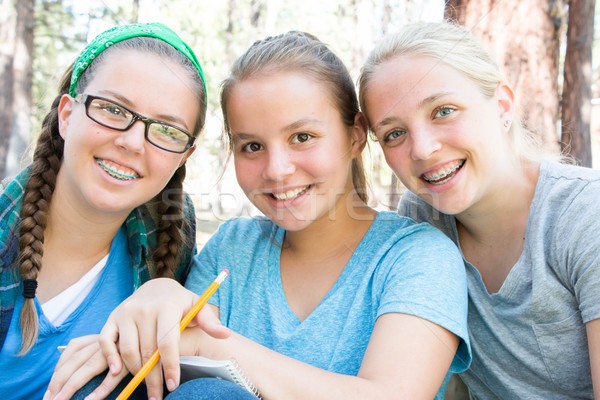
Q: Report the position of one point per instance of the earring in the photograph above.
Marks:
(507, 123)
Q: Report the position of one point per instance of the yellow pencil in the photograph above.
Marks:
(139, 377)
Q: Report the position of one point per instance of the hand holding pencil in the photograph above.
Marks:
(141, 374)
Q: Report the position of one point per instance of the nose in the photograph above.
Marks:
(424, 143)
(279, 165)
(133, 139)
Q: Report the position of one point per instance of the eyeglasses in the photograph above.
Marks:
(115, 116)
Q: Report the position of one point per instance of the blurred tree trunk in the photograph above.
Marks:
(524, 37)
(16, 82)
(7, 49)
(577, 92)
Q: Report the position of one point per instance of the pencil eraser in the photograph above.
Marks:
(226, 271)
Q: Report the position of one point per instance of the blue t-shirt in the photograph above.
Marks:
(399, 266)
(27, 377)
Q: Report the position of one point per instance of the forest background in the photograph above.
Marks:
(545, 48)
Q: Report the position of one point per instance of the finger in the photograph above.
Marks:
(109, 384)
(109, 335)
(74, 346)
(129, 345)
(92, 367)
(154, 383)
(70, 362)
(208, 320)
(168, 346)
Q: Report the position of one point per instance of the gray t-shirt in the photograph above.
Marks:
(529, 339)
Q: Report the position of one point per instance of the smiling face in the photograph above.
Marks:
(292, 152)
(108, 171)
(442, 137)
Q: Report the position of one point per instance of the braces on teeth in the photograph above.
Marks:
(116, 174)
(445, 173)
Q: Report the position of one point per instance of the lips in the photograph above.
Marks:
(117, 171)
(444, 173)
(291, 194)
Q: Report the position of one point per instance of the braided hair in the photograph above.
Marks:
(47, 160)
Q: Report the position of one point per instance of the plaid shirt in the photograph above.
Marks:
(141, 233)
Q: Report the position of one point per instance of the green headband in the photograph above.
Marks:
(117, 34)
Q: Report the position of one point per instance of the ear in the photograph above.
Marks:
(65, 107)
(359, 134)
(506, 102)
(187, 154)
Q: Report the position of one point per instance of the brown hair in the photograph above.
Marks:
(47, 159)
(302, 52)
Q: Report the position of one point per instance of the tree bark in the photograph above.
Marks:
(7, 52)
(524, 38)
(577, 93)
(20, 135)
(455, 10)
(16, 63)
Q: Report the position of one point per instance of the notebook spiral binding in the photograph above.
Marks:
(246, 381)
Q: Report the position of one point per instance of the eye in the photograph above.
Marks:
(252, 147)
(301, 138)
(393, 135)
(443, 112)
(112, 109)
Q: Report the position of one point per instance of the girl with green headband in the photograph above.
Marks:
(101, 209)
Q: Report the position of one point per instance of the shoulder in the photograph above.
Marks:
(413, 207)
(559, 179)
(413, 245)
(567, 190)
(11, 198)
(558, 171)
(12, 189)
(397, 227)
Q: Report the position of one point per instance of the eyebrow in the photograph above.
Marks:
(427, 100)
(433, 98)
(300, 123)
(241, 136)
(171, 119)
(288, 128)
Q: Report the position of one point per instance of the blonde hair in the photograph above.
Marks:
(302, 52)
(456, 47)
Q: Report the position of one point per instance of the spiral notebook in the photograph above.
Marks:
(193, 367)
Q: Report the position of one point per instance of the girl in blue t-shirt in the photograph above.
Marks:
(84, 224)
(327, 298)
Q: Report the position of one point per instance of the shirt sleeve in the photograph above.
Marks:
(426, 278)
(577, 243)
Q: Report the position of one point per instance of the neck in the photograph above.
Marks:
(504, 209)
(342, 228)
(73, 243)
(75, 234)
